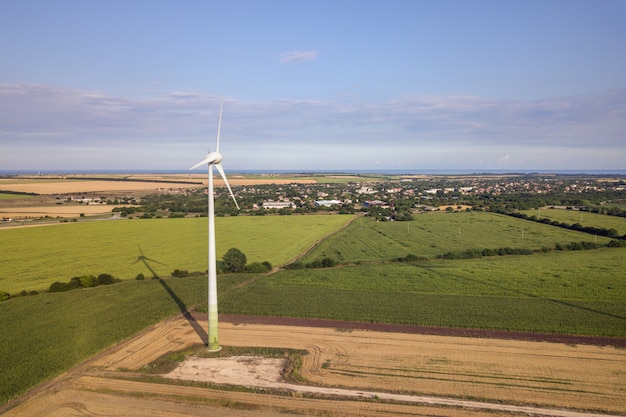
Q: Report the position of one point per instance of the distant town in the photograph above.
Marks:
(398, 198)
(386, 197)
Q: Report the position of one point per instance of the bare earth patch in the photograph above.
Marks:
(247, 371)
(348, 372)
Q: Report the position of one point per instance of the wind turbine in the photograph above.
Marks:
(214, 159)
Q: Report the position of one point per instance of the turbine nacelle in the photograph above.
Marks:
(212, 158)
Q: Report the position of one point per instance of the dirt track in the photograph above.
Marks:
(375, 373)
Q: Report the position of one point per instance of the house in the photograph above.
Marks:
(327, 203)
(375, 203)
(267, 205)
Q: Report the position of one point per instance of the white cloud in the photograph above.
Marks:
(504, 159)
(168, 130)
(298, 56)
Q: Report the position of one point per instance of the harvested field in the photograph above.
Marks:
(373, 373)
(56, 210)
(86, 186)
(136, 183)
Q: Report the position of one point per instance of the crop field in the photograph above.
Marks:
(133, 183)
(33, 258)
(586, 219)
(61, 210)
(433, 234)
(64, 186)
(344, 373)
(9, 196)
(559, 292)
(51, 332)
(576, 292)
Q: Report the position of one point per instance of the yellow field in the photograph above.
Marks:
(72, 186)
(56, 211)
(350, 373)
(57, 185)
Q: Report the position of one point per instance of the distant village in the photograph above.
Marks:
(396, 198)
(423, 194)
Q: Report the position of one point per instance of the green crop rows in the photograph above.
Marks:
(560, 292)
(10, 196)
(46, 334)
(433, 234)
(32, 258)
(586, 219)
(575, 292)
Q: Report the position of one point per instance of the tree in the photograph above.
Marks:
(106, 279)
(88, 281)
(234, 260)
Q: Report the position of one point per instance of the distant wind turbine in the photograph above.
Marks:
(214, 159)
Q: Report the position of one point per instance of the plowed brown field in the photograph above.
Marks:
(347, 372)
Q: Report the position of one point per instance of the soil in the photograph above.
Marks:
(352, 369)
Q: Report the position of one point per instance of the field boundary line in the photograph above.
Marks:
(300, 256)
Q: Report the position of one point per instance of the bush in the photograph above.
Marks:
(314, 264)
(295, 265)
(327, 263)
(58, 286)
(140, 277)
(106, 279)
(88, 281)
(180, 273)
(321, 263)
(256, 268)
(234, 260)
(4, 295)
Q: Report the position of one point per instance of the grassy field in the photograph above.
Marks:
(601, 221)
(10, 196)
(557, 292)
(51, 332)
(32, 258)
(578, 292)
(434, 234)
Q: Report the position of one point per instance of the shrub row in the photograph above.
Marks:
(85, 281)
(600, 231)
(318, 263)
(478, 253)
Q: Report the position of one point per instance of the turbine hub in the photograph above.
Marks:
(213, 158)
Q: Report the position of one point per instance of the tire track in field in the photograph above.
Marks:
(296, 259)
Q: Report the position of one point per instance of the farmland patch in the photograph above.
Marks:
(33, 258)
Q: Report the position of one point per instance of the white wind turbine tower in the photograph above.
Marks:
(214, 159)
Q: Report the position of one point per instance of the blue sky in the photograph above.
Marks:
(314, 85)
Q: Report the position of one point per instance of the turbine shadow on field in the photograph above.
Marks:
(186, 313)
(143, 258)
(183, 308)
(530, 295)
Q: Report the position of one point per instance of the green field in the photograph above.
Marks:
(32, 258)
(586, 219)
(46, 334)
(433, 234)
(575, 292)
(11, 196)
(559, 292)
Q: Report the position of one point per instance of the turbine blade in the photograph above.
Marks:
(197, 165)
(210, 158)
(219, 127)
(221, 171)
